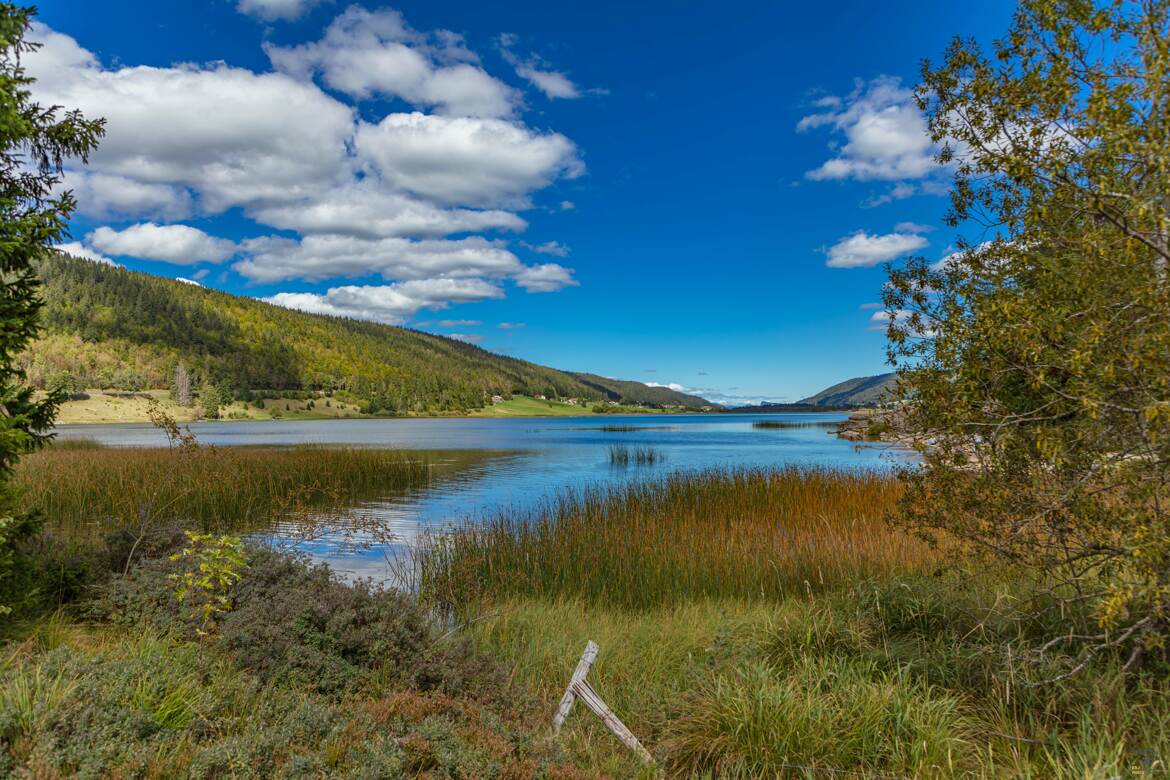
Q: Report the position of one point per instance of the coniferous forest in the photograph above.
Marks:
(111, 328)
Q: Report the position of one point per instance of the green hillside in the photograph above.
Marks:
(859, 391)
(113, 328)
(637, 393)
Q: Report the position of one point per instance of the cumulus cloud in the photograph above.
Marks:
(185, 280)
(465, 160)
(549, 277)
(234, 136)
(862, 250)
(885, 134)
(466, 338)
(375, 54)
(315, 258)
(273, 10)
(912, 227)
(511, 325)
(176, 244)
(76, 249)
(105, 197)
(363, 197)
(391, 303)
(457, 323)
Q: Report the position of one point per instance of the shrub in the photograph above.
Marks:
(293, 621)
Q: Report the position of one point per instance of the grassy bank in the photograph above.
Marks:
(85, 492)
(764, 625)
(742, 535)
(125, 407)
(304, 677)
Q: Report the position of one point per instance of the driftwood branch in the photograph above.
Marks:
(579, 688)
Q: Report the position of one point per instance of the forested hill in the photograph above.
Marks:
(859, 391)
(112, 328)
(638, 393)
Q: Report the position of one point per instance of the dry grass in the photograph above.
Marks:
(751, 534)
(86, 492)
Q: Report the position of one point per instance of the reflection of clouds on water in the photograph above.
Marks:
(483, 467)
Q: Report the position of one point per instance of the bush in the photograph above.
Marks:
(296, 622)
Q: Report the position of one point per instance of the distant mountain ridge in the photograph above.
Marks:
(109, 327)
(859, 391)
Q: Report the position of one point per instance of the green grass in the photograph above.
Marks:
(750, 534)
(85, 492)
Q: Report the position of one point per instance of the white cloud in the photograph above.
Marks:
(886, 137)
(912, 227)
(392, 303)
(363, 198)
(466, 338)
(104, 196)
(185, 280)
(77, 249)
(234, 136)
(375, 54)
(367, 209)
(534, 70)
(177, 244)
(553, 84)
(555, 248)
(467, 161)
(316, 258)
(457, 323)
(862, 250)
(272, 10)
(511, 325)
(549, 277)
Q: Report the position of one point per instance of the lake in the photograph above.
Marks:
(484, 466)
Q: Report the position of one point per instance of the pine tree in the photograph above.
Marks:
(34, 143)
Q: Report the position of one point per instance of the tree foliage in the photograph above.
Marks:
(34, 142)
(1036, 359)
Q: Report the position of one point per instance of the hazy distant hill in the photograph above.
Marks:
(113, 328)
(638, 393)
(859, 391)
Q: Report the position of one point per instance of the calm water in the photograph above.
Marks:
(521, 462)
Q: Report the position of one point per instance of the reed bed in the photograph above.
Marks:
(746, 534)
(793, 424)
(621, 455)
(85, 493)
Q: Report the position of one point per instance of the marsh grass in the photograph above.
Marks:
(84, 493)
(621, 455)
(748, 534)
(793, 424)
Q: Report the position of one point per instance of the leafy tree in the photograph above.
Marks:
(210, 400)
(1037, 358)
(34, 142)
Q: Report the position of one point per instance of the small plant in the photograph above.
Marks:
(179, 437)
(216, 564)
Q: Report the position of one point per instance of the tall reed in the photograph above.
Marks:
(621, 455)
(748, 534)
(793, 424)
(85, 493)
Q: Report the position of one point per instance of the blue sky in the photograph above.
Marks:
(696, 194)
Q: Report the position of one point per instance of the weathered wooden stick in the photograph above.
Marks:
(579, 674)
(580, 688)
(591, 700)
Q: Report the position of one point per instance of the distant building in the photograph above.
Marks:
(571, 401)
(541, 398)
(497, 399)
